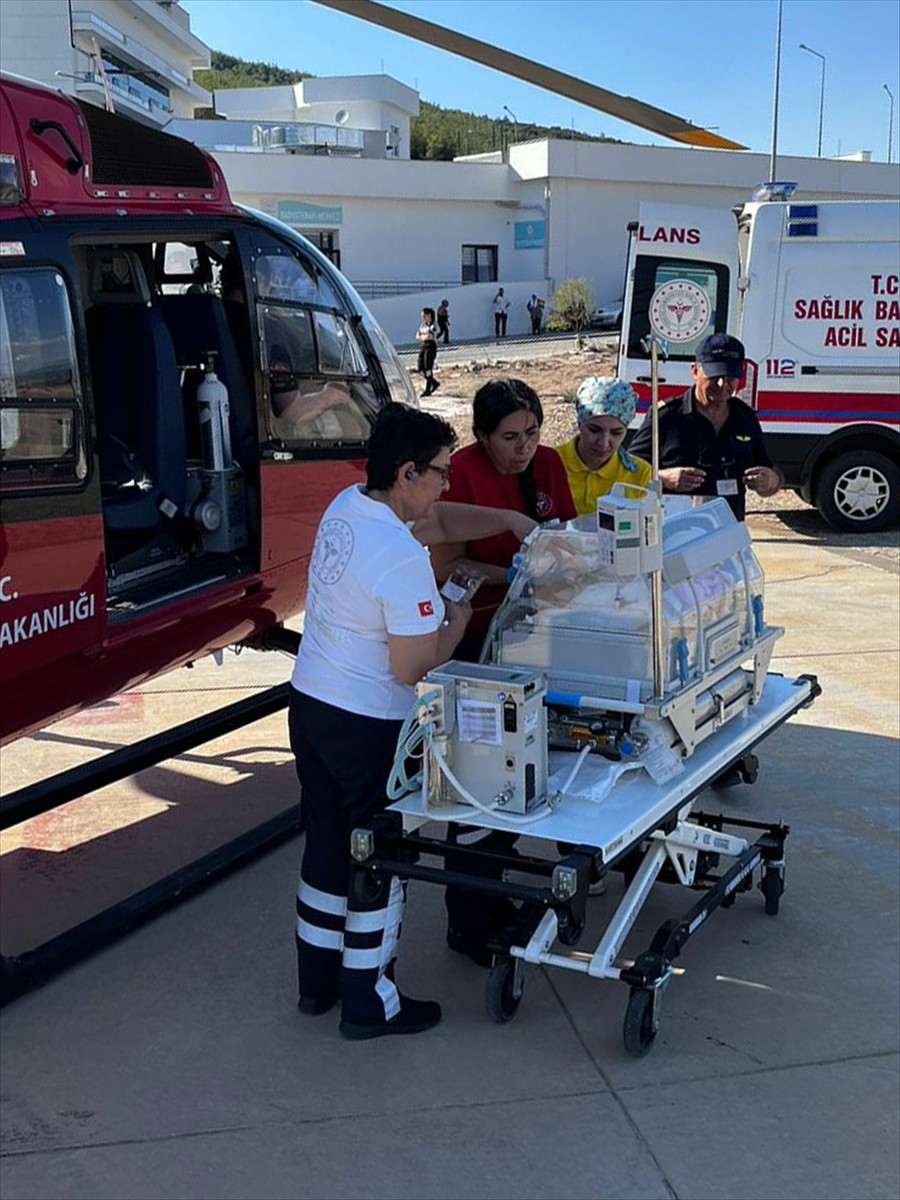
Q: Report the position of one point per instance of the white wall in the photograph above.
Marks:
(35, 41)
(406, 221)
(471, 310)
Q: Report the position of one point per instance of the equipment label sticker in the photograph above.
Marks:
(477, 721)
(661, 762)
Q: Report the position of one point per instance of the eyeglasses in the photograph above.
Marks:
(444, 472)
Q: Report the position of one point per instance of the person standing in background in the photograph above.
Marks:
(426, 336)
(535, 308)
(501, 313)
(443, 321)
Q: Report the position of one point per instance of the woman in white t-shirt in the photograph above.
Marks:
(375, 624)
(426, 336)
(501, 312)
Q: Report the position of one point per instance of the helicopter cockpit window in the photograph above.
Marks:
(286, 278)
(339, 352)
(41, 442)
(318, 389)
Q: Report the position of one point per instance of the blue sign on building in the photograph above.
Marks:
(528, 235)
(298, 212)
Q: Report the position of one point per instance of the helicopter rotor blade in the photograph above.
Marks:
(626, 108)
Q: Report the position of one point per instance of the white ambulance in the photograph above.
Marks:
(813, 291)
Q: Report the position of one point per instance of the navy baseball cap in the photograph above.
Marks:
(721, 354)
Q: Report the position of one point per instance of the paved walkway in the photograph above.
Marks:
(174, 1064)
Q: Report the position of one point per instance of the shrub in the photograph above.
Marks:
(571, 305)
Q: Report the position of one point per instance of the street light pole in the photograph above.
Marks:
(773, 158)
(890, 122)
(809, 50)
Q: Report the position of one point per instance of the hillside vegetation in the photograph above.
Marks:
(436, 133)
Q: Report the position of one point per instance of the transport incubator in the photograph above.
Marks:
(626, 670)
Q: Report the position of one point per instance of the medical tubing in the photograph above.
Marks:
(467, 796)
(576, 767)
(412, 734)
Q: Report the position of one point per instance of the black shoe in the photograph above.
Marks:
(314, 1006)
(473, 945)
(435, 384)
(415, 1016)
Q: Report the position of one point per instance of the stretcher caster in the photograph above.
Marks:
(772, 885)
(503, 991)
(748, 768)
(368, 888)
(639, 1027)
(568, 929)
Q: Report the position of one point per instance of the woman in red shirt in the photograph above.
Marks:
(505, 467)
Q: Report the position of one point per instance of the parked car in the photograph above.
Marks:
(607, 316)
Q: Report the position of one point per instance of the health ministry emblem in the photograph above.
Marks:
(679, 310)
(334, 545)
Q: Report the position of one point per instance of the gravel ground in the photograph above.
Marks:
(554, 376)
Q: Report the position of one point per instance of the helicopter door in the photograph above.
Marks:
(51, 539)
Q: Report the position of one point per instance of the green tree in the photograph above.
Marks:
(571, 305)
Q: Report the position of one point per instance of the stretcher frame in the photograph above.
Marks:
(646, 831)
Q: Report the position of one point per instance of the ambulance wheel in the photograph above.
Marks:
(772, 885)
(499, 994)
(858, 491)
(368, 887)
(638, 1032)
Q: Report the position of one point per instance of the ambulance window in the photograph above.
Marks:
(41, 441)
(651, 273)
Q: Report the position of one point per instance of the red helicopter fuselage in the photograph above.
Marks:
(184, 386)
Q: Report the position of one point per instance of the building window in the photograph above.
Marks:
(326, 241)
(479, 264)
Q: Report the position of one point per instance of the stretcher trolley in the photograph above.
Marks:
(608, 701)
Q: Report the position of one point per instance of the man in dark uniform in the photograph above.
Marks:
(711, 443)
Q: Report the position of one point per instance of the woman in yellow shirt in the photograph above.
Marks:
(594, 459)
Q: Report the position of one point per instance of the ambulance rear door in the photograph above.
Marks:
(673, 242)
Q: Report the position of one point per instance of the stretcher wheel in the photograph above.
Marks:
(638, 1031)
(500, 996)
(368, 887)
(568, 930)
(748, 768)
(772, 885)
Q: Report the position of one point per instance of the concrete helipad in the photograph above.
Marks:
(174, 1063)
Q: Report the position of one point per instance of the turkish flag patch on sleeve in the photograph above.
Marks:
(426, 608)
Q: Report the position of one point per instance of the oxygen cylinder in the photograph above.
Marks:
(215, 431)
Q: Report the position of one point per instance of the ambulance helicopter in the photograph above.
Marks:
(184, 385)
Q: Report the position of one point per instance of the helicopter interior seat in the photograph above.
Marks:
(140, 423)
(198, 323)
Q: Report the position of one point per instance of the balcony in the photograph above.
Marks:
(123, 46)
(127, 90)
